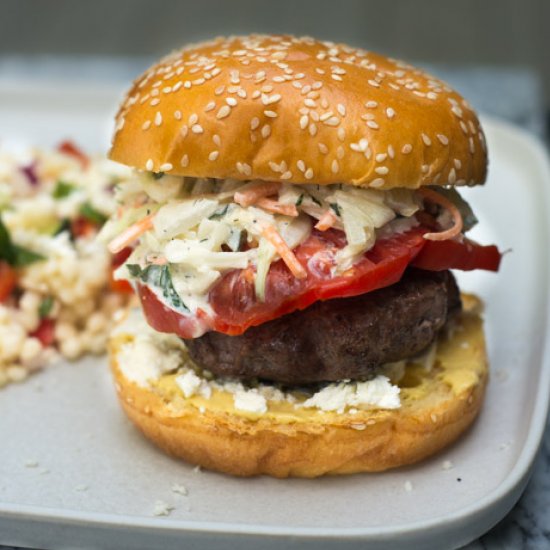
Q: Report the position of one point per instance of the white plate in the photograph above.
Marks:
(68, 420)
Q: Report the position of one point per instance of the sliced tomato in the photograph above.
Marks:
(121, 286)
(45, 332)
(237, 308)
(8, 280)
(70, 148)
(465, 255)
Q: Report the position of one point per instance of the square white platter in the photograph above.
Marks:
(97, 480)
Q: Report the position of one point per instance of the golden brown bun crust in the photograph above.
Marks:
(298, 110)
(338, 444)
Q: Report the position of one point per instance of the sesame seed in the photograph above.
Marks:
(322, 148)
(270, 114)
(310, 102)
(381, 157)
(332, 121)
(210, 106)
(472, 146)
(336, 77)
(304, 121)
(378, 182)
(287, 175)
(452, 176)
(301, 165)
(372, 124)
(391, 151)
(335, 166)
(158, 119)
(443, 139)
(390, 113)
(167, 90)
(184, 130)
(266, 131)
(256, 94)
(177, 115)
(308, 173)
(154, 102)
(427, 141)
(456, 111)
(146, 125)
(197, 129)
(457, 163)
(231, 101)
(312, 129)
(325, 116)
(274, 166)
(254, 123)
(166, 167)
(149, 165)
(340, 152)
(247, 169)
(425, 168)
(213, 155)
(373, 83)
(219, 90)
(193, 119)
(324, 102)
(341, 109)
(216, 139)
(382, 170)
(371, 104)
(431, 95)
(363, 144)
(223, 111)
(463, 127)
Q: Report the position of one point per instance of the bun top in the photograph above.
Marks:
(298, 110)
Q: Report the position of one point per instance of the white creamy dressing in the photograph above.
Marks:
(198, 230)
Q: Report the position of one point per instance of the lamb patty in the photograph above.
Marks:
(346, 338)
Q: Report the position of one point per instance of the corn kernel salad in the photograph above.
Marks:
(57, 294)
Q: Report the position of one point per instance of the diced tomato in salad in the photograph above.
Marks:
(70, 148)
(45, 332)
(8, 280)
(236, 307)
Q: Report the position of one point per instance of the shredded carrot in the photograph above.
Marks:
(255, 192)
(453, 231)
(276, 207)
(326, 221)
(131, 234)
(273, 236)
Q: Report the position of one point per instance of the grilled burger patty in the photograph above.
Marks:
(347, 338)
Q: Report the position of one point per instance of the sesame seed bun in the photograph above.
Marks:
(298, 110)
(437, 405)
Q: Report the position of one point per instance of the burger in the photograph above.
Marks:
(290, 230)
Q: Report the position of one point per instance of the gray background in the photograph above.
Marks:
(449, 32)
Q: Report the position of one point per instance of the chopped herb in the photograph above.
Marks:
(45, 307)
(300, 199)
(157, 175)
(159, 276)
(15, 255)
(62, 189)
(220, 213)
(335, 208)
(317, 202)
(91, 214)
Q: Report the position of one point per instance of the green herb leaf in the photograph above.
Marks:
(91, 214)
(335, 208)
(157, 175)
(317, 202)
(300, 199)
(62, 189)
(65, 225)
(45, 307)
(15, 255)
(219, 213)
(159, 276)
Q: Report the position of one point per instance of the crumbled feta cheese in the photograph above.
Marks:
(179, 489)
(191, 384)
(250, 401)
(376, 393)
(162, 508)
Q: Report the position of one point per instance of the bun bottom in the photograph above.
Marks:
(437, 405)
